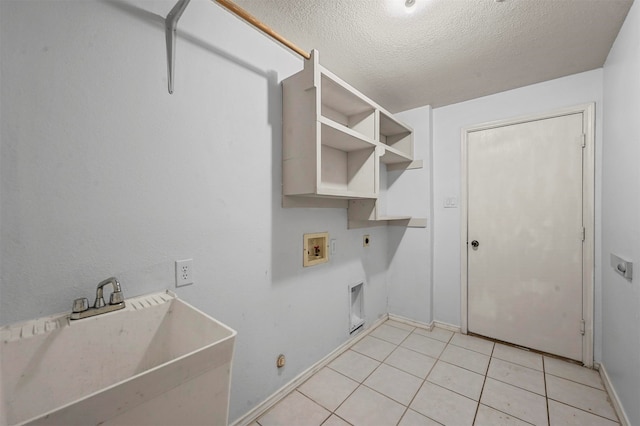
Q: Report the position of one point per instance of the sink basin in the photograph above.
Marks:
(157, 361)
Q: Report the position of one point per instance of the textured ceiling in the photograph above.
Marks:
(447, 51)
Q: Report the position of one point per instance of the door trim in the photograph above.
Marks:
(588, 212)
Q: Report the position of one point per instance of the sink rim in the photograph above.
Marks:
(46, 325)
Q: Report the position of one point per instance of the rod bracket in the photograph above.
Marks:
(170, 27)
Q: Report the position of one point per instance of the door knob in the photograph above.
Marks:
(475, 244)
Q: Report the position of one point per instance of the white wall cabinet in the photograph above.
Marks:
(334, 140)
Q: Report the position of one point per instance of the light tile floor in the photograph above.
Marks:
(403, 375)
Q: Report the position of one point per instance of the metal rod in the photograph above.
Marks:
(241, 13)
(171, 26)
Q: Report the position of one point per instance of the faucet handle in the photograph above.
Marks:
(80, 305)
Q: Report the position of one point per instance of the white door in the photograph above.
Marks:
(525, 213)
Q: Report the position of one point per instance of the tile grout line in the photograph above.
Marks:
(438, 359)
(406, 407)
(354, 391)
(397, 345)
(493, 408)
(422, 384)
(464, 368)
(547, 398)
(576, 382)
(546, 391)
(424, 380)
(419, 387)
(426, 375)
(517, 386)
(585, 411)
(511, 361)
(369, 375)
(483, 383)
(333, 412)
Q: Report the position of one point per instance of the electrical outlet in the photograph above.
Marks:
(184, 272)
(366, 240)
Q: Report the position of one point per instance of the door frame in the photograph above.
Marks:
(588, 215)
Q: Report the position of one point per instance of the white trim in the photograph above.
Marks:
(427, 326)
(588, 248)
(464, 186)
(588, 221)
(532, 117)
(278, 395)
(446, 326)
(615, 401)
(413, 323)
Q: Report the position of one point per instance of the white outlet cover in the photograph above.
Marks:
(451, 202)
(184, 272)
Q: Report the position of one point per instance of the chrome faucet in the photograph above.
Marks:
(81, 307)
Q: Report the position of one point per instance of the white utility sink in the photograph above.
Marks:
(157, 361)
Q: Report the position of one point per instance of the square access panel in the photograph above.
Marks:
(316, 249)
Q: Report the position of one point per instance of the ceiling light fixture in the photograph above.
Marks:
(399, 8)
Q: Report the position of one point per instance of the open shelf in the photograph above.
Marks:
(367, 213)
(337, 136)
(396, 136)
(342, 105)
(393, 156)
(349, 173)
(335, 142)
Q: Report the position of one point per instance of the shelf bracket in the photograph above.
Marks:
(170, 28)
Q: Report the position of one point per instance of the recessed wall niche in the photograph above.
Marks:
(316, 249)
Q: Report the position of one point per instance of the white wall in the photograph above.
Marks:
(621, 214)
(410, 249)
(448, 123)
(104, 173)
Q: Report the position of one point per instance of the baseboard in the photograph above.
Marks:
(615, 401)
(272, 400)
(413, 323)
(445, 326)
(428, 326)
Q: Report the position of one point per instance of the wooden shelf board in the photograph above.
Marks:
(341, 137)
(393, 156)
(336, 91)
(415, 164)
(341, 97)
(389, 126)
(313, 201)
(337, 193)
(406, 221)
(393, 218)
